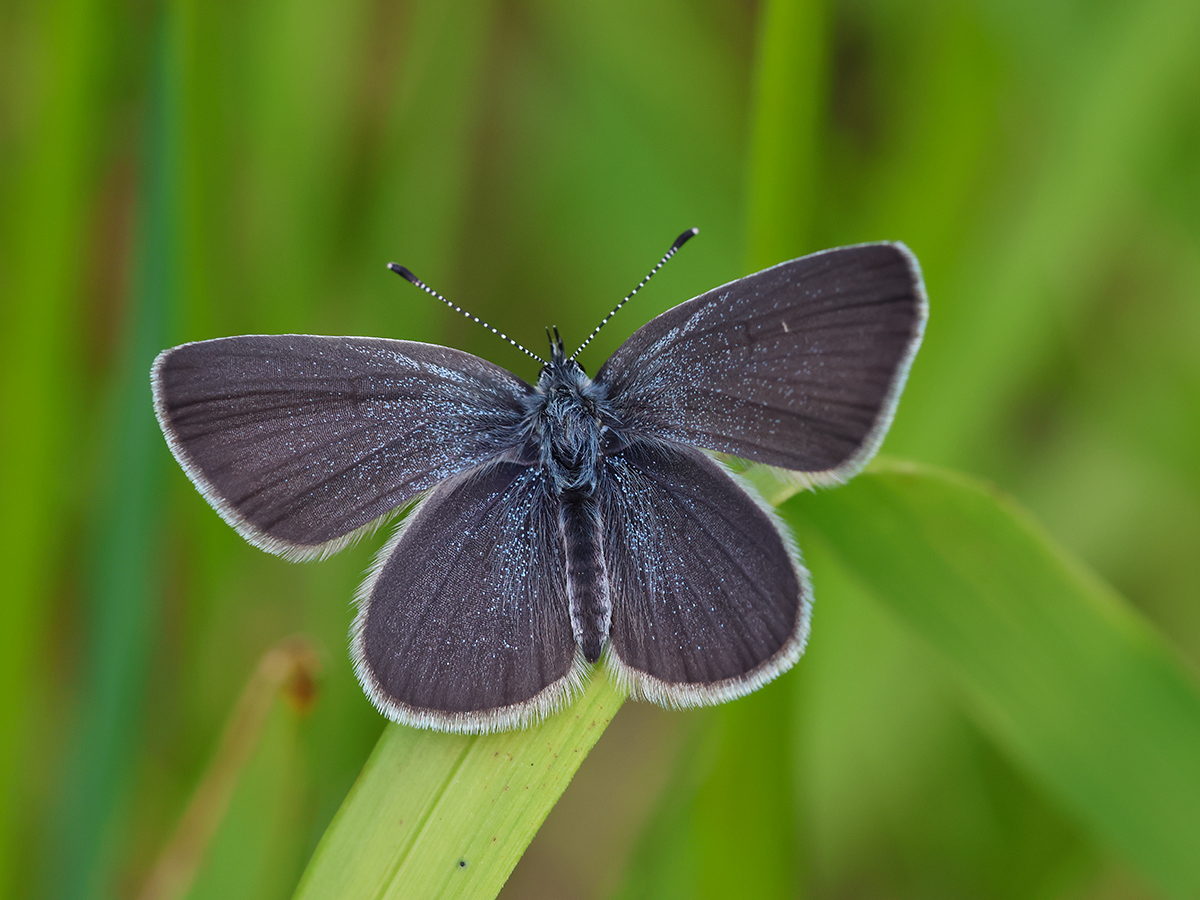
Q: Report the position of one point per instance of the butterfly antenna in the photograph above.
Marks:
(413, 279)
(679, 242)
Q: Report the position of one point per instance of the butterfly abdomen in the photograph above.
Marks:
(587, 580)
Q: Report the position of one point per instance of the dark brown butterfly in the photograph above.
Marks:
(566, 522)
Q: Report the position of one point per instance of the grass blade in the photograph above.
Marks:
(446, 815)
(1068, 679)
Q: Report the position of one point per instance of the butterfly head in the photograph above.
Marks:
(562, 373)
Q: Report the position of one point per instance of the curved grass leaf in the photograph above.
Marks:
(449, 815)
(1067, 678)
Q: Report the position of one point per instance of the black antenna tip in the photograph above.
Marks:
(404, 273)
(684, 238)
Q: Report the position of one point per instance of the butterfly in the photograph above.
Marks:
(575, 521)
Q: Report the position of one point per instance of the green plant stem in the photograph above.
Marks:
(448, 815)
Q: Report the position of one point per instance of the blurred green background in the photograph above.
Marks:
(174, 171)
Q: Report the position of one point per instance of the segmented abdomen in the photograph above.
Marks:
(587, 580)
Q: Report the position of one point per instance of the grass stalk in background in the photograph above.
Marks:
(123, 575)
(789, 91)
(38, 365)
(289, 668)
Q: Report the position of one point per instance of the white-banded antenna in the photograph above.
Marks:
(410, 277)
(679, 242)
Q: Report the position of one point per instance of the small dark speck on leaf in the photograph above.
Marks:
(462, 863)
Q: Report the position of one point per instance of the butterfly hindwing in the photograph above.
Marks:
(302, 441)
(464, 624)
(798, 366)
(708, 598)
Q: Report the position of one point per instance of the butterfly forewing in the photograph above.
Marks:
(464, 626)
(708, 600)
(797, 366)
(300, 441)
